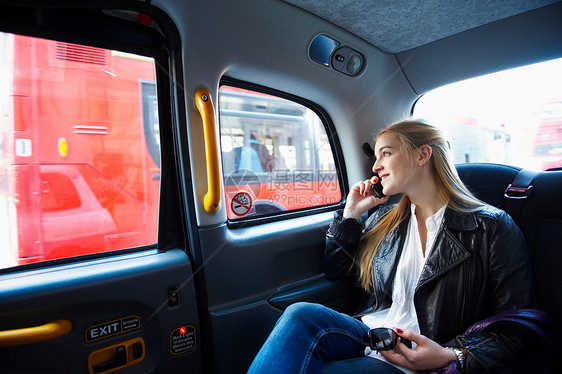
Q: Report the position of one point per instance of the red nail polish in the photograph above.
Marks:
(399, 330)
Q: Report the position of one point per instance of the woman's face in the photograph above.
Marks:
(395, 165)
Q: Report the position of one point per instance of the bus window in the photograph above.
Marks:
(276, 155)
(511, 117)
(79, 150)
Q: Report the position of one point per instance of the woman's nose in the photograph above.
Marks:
(376, 167)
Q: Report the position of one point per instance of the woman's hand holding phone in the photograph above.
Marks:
(361, 197)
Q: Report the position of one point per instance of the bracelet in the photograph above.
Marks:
(460, 357)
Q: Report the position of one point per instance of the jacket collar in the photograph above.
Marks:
(460, 221)
(448, 251)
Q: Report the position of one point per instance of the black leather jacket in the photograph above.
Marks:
(479, 266)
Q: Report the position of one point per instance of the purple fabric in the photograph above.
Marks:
(526, 317)
(453, 368)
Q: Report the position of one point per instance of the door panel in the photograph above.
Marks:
(281, 185)
(113, 302)
(317, 290)
(253, 273)
(132, 311)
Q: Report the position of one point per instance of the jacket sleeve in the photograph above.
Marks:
(504, 344)
(342, 241)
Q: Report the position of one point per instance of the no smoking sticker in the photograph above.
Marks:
(241, 203)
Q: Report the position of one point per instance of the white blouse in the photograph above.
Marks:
(402, 313)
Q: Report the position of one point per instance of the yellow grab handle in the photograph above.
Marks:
(205, 107)
(29, 335)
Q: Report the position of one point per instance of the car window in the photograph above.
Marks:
(79, 150)
(276, 155)
(512, 117)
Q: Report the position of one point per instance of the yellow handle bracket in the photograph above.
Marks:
(36, 334)
(205, 106)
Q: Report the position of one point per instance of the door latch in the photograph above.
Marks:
(117, 356)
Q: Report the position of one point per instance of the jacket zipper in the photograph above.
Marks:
(463, 294)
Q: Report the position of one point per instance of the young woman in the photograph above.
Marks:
(432, 265)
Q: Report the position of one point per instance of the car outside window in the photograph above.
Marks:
(512, 117)
(79, 150)
(276, 155)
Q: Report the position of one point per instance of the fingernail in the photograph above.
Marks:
(399, 330)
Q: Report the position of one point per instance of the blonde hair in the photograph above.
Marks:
(413, 134)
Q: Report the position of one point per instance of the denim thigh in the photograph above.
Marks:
(360, 365)
(305, 337)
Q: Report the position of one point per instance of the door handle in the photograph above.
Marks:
(117, 357)
(120, 359)
(36, 334)
(205, 106)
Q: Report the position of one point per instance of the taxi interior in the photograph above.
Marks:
(205, 296)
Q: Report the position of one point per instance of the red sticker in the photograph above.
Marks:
(241, 204)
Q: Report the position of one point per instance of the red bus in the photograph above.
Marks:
(548, 143)
(79, 157)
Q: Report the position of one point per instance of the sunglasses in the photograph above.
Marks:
(384, 339)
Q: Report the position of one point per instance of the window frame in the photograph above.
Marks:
(334, 143)
(85, 27)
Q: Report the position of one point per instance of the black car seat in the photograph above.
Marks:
(536, 206)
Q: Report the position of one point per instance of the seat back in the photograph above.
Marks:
(488, 181)
(539, 217)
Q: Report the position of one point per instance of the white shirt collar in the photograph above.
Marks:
(433, 223)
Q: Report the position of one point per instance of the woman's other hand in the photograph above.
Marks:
(361, 198)
(427, 355)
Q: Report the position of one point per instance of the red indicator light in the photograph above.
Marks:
(183, 330)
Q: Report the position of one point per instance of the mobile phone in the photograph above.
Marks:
(377, 188)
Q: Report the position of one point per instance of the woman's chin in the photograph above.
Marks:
(386, 190)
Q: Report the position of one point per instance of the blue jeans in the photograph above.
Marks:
(309, 335)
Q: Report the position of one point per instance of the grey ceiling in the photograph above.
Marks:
(399, 25)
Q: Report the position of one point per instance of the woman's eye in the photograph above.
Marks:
(383, 154)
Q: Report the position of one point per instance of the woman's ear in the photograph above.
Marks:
(424, 155)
